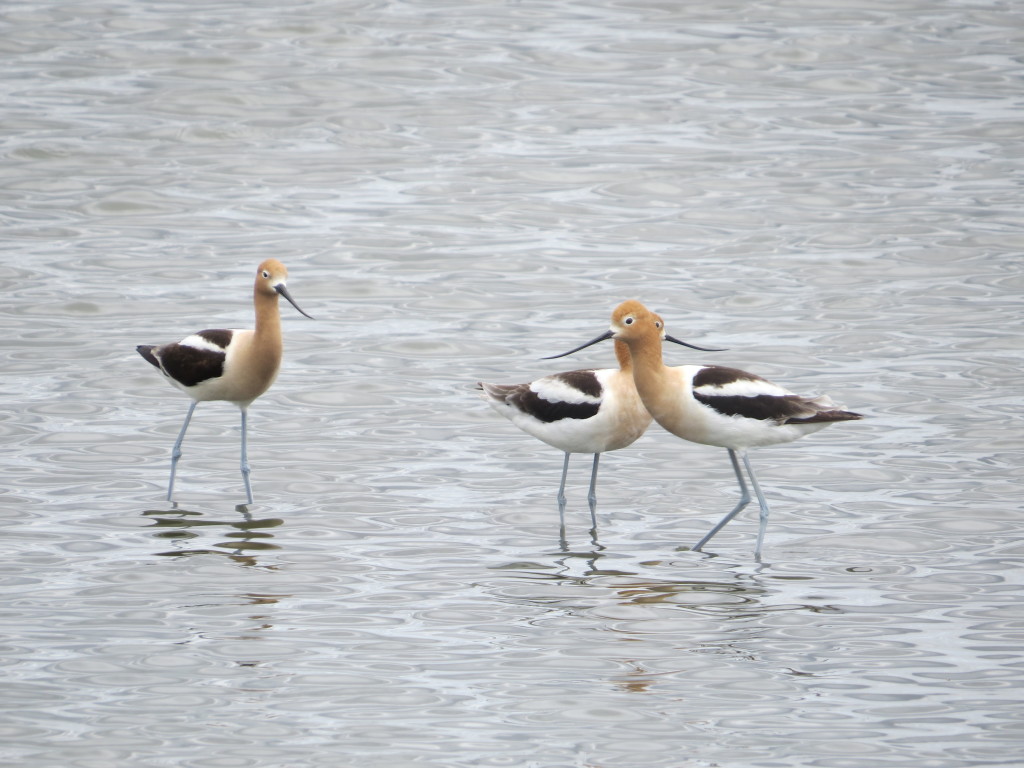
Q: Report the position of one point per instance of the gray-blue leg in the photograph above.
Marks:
(176, 451)
(760, 500)
(563, 542)
(744, 498)
(592, 493)
(245, 459)
(561, 488)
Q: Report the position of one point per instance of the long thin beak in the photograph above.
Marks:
(284, 292)
(691, 346)
(611, 335)
(603, 337)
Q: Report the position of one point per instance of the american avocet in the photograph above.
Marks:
(233, 365)
(713, 405)
(586, 411)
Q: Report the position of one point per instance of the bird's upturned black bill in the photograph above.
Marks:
(611, 334)
(674, 340)
(284, 292)
(603, 337)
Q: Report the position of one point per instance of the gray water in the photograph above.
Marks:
(830, 189)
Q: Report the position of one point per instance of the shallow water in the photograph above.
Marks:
(831, 190)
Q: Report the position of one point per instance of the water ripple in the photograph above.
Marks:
(827, 189)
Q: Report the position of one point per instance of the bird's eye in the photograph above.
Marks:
(657, 324)
(266, 275)
(628, 321)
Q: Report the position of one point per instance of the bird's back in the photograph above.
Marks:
(585, 411)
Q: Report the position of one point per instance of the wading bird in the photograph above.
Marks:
(585, 411)
(233, 365)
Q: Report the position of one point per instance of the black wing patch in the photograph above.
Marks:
(190, 366)
(547, 411)
(779, 408)
(528, 401)
(719, 376)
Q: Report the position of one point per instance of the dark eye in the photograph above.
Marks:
(657, 324)
(266, 275)
(628, 321)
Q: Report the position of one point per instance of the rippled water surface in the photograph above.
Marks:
(832, 190)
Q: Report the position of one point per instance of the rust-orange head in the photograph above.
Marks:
(272, 279)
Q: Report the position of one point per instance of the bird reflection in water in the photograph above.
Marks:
(247, 539)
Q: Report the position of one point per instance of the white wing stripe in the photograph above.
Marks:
(198, 342)
(556, 391)
(742, 388)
